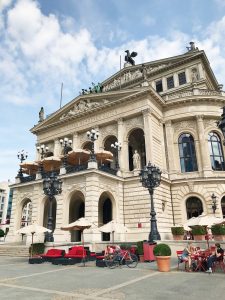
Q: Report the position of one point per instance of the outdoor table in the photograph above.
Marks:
(200, 258)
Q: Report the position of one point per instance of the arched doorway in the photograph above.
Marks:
(107, 146)
(194, 207)
(87, 146)
(26, 215)
(46, 213)
(223, 206)
(76, 211)
(136, 142)
(105, 213)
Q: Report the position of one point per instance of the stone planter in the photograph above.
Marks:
(163, 263)
(178, 237)
(220, 237)
(199, 237)
(141, 258)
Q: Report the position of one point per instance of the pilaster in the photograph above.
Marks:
(148, 134)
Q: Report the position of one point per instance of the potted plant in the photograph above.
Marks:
(177, 232)
(162, 254)
(218, 231)
(199, 232)
(2, 233)
(140, 251)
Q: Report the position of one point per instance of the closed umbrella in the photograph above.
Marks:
(80, 224)
(32, 229)
(112, 227)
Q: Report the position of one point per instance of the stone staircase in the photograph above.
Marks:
(14, 250)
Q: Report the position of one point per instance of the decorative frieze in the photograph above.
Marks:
(184, 125)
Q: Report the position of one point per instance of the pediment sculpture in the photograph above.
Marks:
(83, 105)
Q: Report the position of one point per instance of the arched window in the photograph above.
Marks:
(187, 153)
(194, 207)
(223, 206)
(215, 150)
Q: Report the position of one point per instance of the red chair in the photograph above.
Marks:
(76, 252)
(52, 254)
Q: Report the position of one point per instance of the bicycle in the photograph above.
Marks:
(116, 259)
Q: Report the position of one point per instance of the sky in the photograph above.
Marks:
(44, 43)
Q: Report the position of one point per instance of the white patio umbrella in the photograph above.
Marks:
(32, 229)
(112, 227)
(203, 220)
(80, 224)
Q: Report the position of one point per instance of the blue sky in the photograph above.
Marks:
(46, 42)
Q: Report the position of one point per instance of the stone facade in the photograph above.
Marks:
(147, 112)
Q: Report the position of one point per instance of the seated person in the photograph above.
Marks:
(108, 251)
(217, 255)
(186, 255)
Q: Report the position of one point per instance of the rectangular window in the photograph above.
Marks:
(182, 78)
(170, 82)
(159, 86)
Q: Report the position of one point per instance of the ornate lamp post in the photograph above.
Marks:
(65, 143)
(21, 156)
(51, 186)
(214, 206)
(117, 147)
(42, 150)
(92, 136)
(150, 178)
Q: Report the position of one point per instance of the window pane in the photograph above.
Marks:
(170, 82)
(187, 153)
(182, 78)
(215, 150)
(158, 85)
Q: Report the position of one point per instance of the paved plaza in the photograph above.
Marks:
(20, 280)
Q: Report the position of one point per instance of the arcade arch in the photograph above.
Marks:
(136, 142)
(105, 213)
(76, 211)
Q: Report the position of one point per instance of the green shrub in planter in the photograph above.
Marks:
(218, 229)
(38, 248)
(125, 246)
(199, 230)
(2, 233)
(177, 230)
(162, 250)
(140, 248)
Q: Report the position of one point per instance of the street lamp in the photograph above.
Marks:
(21, 156)
(66, 144)
(221, 123)
(117, 147)
(150, 178)
(214, 206)
(92, 136)
(51, 186)
(42, 150)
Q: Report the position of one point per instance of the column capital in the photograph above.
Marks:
(199, 117)
(120, 121)
(168, 123)
(146, 111)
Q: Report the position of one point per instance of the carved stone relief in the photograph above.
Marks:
(184, 125)
(83, 105)
(107, 130)
(135, 122)
(209, 123)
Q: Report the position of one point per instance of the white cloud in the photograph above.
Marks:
(4, 4)
(37, 54)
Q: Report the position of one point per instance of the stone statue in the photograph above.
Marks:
(136, 161)
(128, 57)
(144, 71)
(41, 115)
(194, 75)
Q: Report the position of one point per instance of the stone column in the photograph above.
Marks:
(75, 141)
(120, 135)
(170, 146)
(125, 156)
(175, 78)
(57, 147)
(203, 143)
(148, 135)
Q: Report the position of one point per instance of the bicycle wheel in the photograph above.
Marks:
(112, 262)
(131, 261)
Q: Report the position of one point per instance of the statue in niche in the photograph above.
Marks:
(41, 115)
(136, 161)
(194, 75)
(128, 57)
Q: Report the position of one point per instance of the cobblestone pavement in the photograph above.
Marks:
(20, 280)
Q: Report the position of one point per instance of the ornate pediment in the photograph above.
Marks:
(83, 105)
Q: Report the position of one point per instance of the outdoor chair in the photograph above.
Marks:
(52, 254)
(219, 263)
(180, 261)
